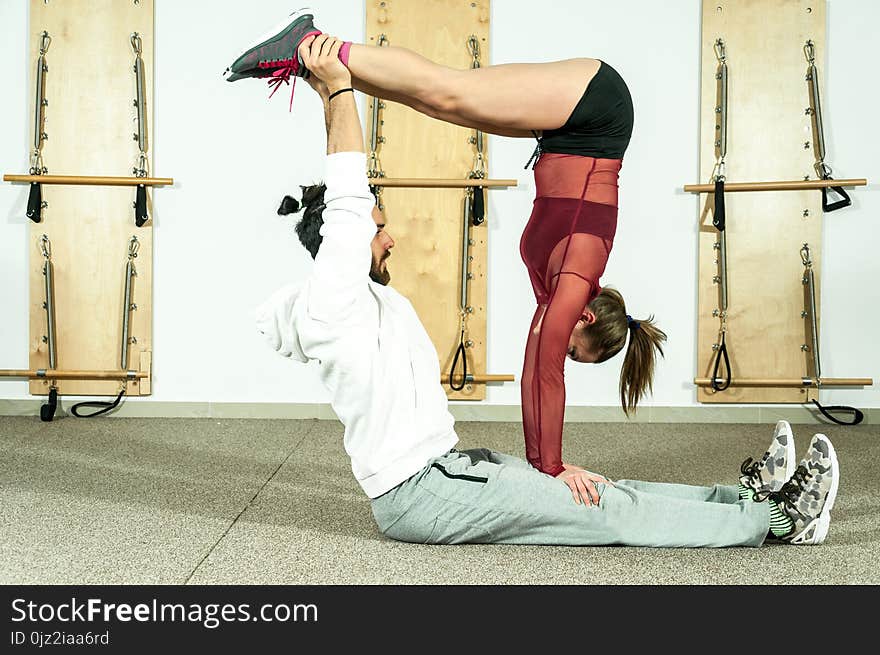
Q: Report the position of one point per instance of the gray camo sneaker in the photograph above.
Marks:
(808, 497)
(768, 475)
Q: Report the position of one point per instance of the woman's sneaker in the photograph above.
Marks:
(808, 497)
(767, 476)
(276, 50)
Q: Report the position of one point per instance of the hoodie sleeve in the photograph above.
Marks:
(340, 278)
(275, 322)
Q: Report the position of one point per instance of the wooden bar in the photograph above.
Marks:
(81, 180)
(803, 382)
(428, 183)
(49, 374)
(478, 379)
(793, 185)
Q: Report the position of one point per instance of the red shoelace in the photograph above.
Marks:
(283, 69)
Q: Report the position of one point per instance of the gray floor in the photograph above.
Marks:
(207, 501)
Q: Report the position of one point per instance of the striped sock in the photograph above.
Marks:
(780, 524)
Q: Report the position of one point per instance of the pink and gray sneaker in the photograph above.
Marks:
(274, 55)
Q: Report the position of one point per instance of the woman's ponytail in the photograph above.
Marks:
(637, 372)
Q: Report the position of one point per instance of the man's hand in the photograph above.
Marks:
(320, 54)
(318, 85)
(582, 483)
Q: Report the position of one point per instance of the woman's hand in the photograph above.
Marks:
(582, 483)
(320, 54)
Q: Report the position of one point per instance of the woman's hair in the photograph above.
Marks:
(312, 205)
(608, 337)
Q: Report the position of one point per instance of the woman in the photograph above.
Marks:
(580, 110)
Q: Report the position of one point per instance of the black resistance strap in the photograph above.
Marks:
(857, 418)
(719, 214)
(104, 406)
(717, 383)
(719, 217)
(459, 353)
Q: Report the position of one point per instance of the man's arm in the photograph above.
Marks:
(339, 281)
(321, 89)
(320, 55)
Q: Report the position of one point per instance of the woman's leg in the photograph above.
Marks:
(510, 99)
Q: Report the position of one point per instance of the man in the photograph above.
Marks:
(384, 378)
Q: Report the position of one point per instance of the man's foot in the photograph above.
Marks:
(767, 476)
(275, 53)
(808, 497)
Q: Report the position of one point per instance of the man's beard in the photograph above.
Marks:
(379, 276)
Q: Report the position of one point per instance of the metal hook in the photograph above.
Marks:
(810, 52)
(45, 40)
(823, 170)
(45, 247)
(474, 47)
(133, 247)
(805, 255)
(720, 51)
(136, 43)
(382, 39)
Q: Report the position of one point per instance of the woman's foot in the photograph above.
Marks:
(275, 53)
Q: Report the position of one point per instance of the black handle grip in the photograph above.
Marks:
(478, 208)
(459, 353)
(140, 206)
(718, 216)
(838, 204)
(35, 202)
(720, 384)
(47, 411)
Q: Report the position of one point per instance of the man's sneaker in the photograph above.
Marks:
(768, 475)
(808, 497)
(277, 49)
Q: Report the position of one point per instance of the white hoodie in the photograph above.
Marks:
(375, 357)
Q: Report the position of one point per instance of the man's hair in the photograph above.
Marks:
(308, 229)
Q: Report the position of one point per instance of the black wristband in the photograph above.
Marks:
(336, 93)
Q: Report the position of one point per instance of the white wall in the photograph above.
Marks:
(219, 248)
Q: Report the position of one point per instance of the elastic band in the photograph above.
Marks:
(857, 415)
(104, 407)
(336, 93)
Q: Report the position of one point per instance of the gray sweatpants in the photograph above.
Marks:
(481, 496)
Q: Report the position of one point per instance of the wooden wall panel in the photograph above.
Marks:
(90, 122)
(427, 223)
(769, 138)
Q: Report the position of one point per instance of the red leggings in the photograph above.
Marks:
(565, 247)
